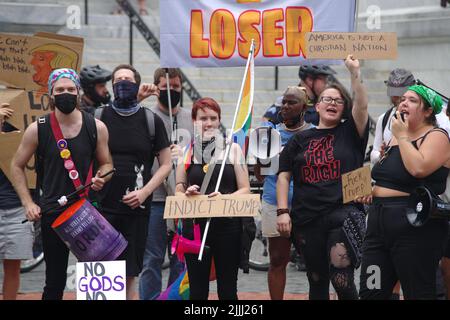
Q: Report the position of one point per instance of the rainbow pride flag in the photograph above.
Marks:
(178, 290)
(245, 104)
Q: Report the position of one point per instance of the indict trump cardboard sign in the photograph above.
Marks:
(244, 205)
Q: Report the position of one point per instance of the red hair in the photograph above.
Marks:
(205, 103)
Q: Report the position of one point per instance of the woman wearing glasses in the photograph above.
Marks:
(316, 159)
(418, 155)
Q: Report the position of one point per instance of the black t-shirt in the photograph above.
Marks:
(8, 196)
(133, 153)
(317, 158)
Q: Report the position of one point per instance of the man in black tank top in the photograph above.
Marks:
(56, 174)
(125, 202)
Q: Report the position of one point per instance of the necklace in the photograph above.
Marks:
(296, 129)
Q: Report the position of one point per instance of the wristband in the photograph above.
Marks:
(282, 211)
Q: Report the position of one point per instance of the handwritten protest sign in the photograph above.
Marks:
(356, 183)
(220, 206)
(27, 61)
(9, 143)
(102, 280)
(337, 45)
(27, 107)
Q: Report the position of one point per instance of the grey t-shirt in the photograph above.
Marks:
(183, 133)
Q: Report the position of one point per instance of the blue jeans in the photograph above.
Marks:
(150, 282)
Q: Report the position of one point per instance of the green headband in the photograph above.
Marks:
(430, 96)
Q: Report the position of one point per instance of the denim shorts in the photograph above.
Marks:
(16, 238)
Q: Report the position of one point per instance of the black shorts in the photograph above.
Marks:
(134, 228)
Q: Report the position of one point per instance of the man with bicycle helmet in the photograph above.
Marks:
(93, 81)
(314, 78)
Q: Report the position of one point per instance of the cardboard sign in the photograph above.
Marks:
(364, 45)
(27, 61)
(27, 106)
(356, 183)
(246, 205)
(9, 143)
(102, 280)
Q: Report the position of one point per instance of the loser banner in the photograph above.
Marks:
(218, 33)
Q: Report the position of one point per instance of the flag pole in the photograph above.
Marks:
(227, 149)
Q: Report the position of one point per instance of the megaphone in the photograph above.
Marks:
(425, 205)
(182, 245)
(264, 143)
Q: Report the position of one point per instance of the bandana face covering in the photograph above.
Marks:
(125, 94)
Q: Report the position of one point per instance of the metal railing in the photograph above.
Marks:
(152, 40)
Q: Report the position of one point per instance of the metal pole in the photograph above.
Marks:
(131, 42)
(86, 12)
(227, 150)
(276, 77)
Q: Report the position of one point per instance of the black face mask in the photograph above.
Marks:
(125, 93)
(66, 102)
(175, 97)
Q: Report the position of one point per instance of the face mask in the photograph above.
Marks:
(174, 98)
(66, 102)
(125, 93)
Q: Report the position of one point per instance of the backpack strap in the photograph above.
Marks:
(44, 138)
(91, 128)
(98, 113)
(386, 119)
(150, 116)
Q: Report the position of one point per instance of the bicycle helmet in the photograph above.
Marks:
(89, 77)
(314, 70)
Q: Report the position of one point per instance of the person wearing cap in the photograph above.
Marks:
(398, 82)
(292, 111)
(60, 163)
(417, 155)
(328, 232)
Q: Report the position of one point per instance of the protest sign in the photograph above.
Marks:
(219, 206)
(9, 143)
(218, 33)
(364, 45)
(356, 183)
(101, 280)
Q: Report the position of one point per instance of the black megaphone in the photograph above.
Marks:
(425, 205)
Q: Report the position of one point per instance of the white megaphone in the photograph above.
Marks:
(264, 143)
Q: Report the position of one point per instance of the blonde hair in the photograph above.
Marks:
(64, 57)
(298, 92)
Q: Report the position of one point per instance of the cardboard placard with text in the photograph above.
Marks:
(356, 183)
(363, 45)
(9, 143)
(245, 205)
(27, 61)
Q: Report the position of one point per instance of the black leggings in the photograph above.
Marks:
(56, 256)
(326, 257)
(224, 242)
(394, 250)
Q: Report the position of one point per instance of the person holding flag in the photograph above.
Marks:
(224, 239)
